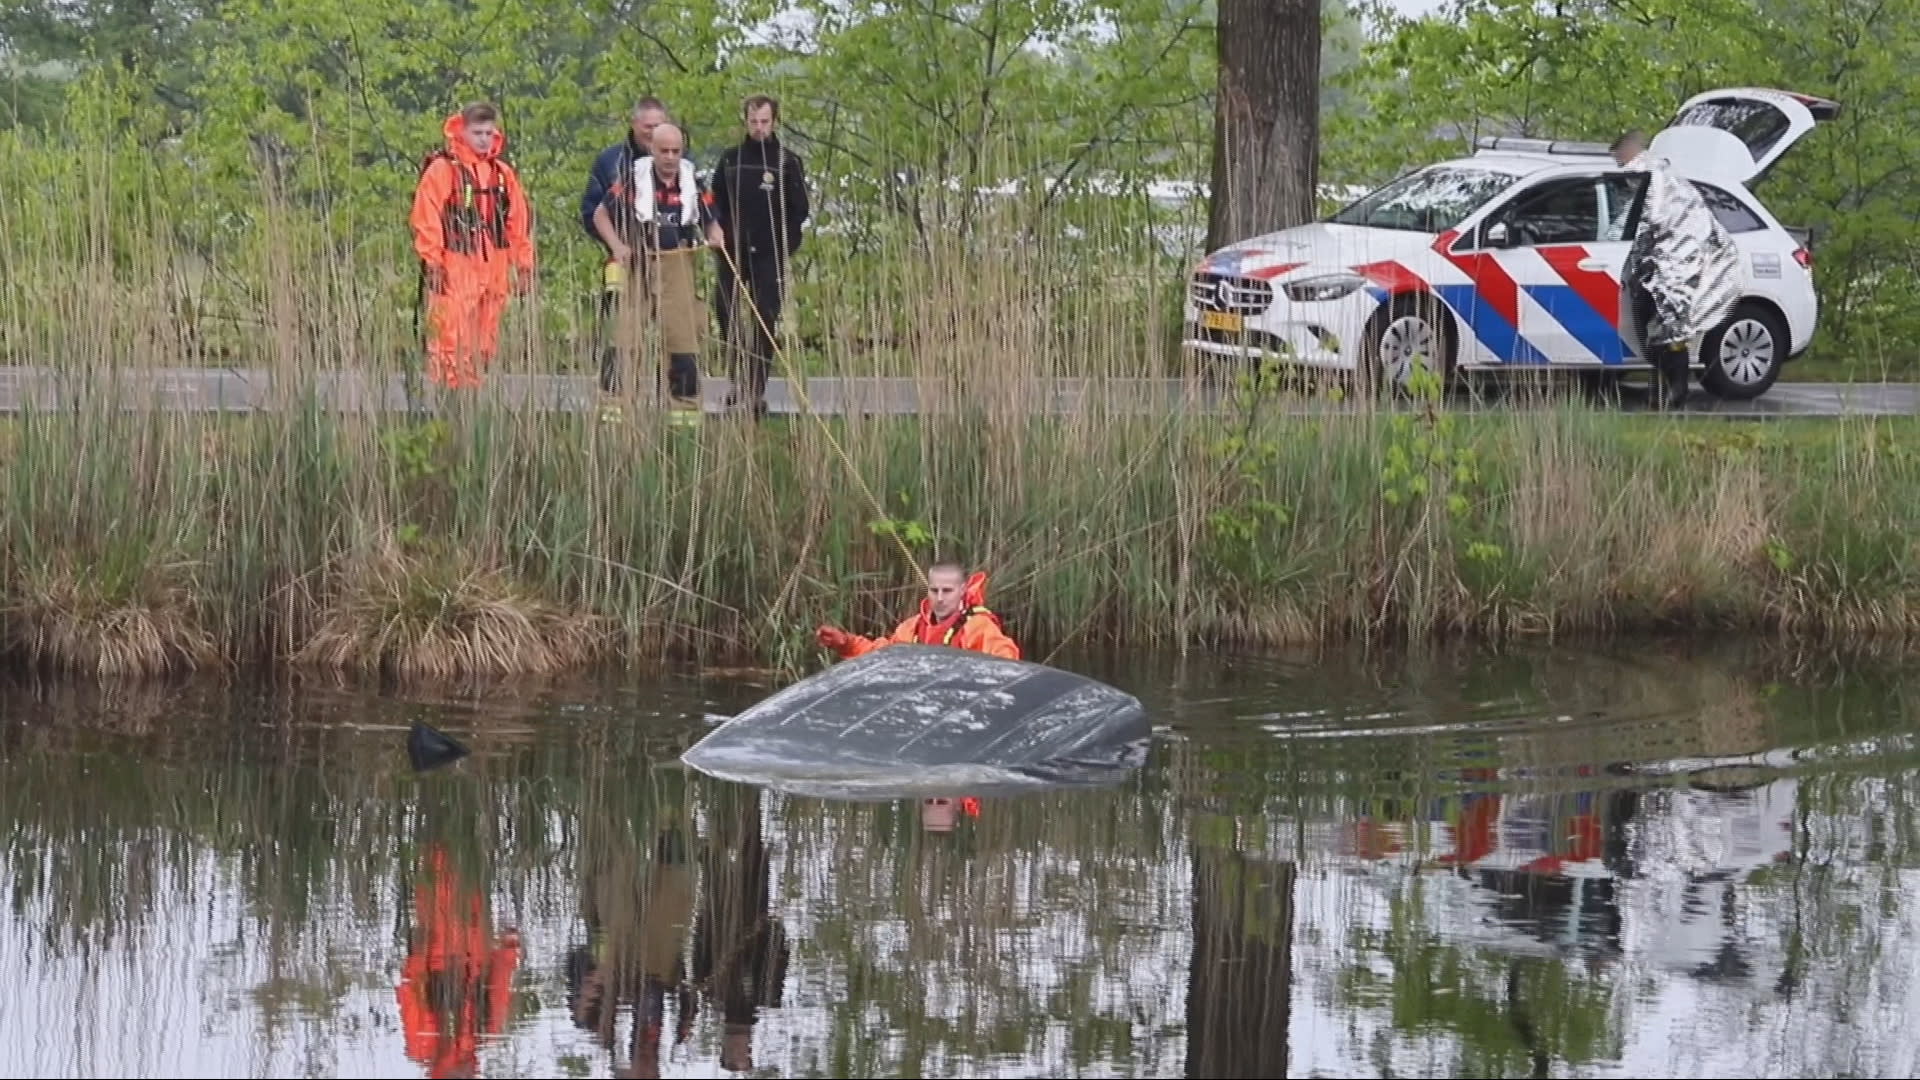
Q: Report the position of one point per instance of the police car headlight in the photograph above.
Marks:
(1324, 287)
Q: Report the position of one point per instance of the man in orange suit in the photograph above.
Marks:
(953, 613)
(471, 225)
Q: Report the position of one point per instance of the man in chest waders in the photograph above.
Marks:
(610, 169)
(470, 227)
(1682, 271)
(672, 211)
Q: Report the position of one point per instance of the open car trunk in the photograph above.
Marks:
(1738, 135)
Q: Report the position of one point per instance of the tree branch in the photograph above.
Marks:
(666, 49)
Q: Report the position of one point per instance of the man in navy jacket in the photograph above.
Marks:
(615, 164)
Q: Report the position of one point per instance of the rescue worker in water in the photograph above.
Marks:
(470, 226)
(953, 613)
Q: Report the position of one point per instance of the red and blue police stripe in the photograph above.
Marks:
(1586, 303)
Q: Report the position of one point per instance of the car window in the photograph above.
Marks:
(1618, 193)
(1757, 123)
(1557, 212)
(1734, 215)
(1431, 200)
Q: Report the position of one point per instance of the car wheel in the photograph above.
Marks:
(1742, 358)
(1411, 328)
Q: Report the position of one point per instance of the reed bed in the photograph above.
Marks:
(497, 535)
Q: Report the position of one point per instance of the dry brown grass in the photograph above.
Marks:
(61, 620)
(429, 619)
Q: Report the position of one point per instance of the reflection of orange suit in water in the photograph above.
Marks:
(454, 980)
(470, 224)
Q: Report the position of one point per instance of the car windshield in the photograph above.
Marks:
(1431, 200)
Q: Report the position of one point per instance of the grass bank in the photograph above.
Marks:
(501, 541)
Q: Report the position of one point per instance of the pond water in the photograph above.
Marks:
(1637, 863)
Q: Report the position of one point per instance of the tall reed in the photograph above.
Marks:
(501, 535)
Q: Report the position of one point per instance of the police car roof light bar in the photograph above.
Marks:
(1562, 147)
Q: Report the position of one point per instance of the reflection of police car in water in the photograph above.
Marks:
(1608, 869)
(1512, 257)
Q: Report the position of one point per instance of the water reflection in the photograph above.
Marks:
(458, 971)
(740, 952)
(1543, 864)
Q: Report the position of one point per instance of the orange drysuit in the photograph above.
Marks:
(455, 983)
(470, 224)
(972, 627)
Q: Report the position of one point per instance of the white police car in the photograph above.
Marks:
(1513, 257)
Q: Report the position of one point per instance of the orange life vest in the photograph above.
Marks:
(931, 633)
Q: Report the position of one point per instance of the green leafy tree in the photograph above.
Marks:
(45, 45)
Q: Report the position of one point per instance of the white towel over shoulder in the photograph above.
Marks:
(643, 188)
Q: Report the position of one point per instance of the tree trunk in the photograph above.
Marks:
(1266, 123)
(1240, 976)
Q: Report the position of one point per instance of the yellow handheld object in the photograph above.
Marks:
(613, 275)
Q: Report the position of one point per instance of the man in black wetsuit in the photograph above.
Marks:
(760, 201)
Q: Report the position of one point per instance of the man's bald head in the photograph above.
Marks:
(668, 145)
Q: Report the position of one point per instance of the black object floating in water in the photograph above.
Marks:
(918, 720)
(430, 748)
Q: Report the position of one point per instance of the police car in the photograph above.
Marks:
(1511, 258)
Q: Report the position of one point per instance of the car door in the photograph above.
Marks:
(1736, 135)
(1619, 199)
(1540, 266)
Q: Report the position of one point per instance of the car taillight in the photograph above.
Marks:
(1804, 257)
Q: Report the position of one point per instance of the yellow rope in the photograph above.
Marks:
(799, 390)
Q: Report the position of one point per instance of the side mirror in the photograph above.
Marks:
(1497, 234)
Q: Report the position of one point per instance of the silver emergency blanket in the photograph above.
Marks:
(1682, 257)
(923, 720)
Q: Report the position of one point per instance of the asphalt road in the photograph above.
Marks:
(241, 390)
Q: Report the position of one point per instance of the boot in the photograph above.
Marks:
(683, 386)
(429, 748)
(609, 370)
(1674, 378)
(607, 326)
(750, 387)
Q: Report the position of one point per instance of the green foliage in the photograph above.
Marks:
(1240, 532)
(415, 448)
(914, 534)
(1042, 91)
(1431, 469)
(47, 48)
(417, 453)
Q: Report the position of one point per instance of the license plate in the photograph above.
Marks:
(1223, 321)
